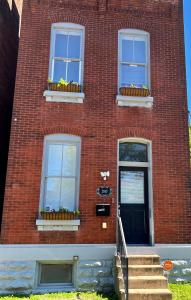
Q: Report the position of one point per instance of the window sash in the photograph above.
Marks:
(61, 177)
(133, 37)
(67, 60)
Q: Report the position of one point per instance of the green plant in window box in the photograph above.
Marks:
(62, 214)
(135, 91)
(64, 86)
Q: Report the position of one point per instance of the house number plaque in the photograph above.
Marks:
(104, 191)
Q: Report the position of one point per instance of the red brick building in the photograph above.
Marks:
(126, 116)
(9, 37)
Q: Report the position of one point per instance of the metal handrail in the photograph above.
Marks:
(123, 237)
(123, 253)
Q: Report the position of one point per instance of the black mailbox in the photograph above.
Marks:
(102, 209)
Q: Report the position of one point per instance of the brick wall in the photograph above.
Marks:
(98, 120)
(9, 28)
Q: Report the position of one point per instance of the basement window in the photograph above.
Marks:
(55, 275)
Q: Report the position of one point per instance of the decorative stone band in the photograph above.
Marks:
(134, 101)
(69, 97)
(58, 225)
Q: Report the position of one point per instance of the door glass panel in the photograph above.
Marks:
(133, 152)
(68, 193)
(69, 160)
(54, 160)
(132, 187)
(52, 193)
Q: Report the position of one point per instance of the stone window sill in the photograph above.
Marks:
(68, 97)
(57, 225)
(134, 101)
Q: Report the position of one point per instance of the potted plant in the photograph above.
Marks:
(135, 91)
(62, 214)
(64, 86)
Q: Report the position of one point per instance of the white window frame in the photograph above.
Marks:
(149, 166)
(55, 139)
(53, 287)
(67, 28)
(133, 33)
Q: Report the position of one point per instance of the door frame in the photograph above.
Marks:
(147, 165)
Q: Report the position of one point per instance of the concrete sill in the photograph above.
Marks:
(57, 225)
(134, 101)
(68, 97)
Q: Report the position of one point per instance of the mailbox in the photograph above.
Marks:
(103, 210)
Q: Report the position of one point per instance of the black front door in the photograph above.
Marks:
(133, 202)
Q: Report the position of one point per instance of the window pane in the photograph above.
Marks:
(73, 71)
(74, 46)
(139, 52)
(132, 187)
(127, 50)
(61, 45)
(69, 160)
(56, 273)
(52, 193)
(133, 152)
(54, 165)
(59, 70)
(133, 75)
(68, 193)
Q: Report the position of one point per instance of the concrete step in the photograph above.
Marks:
(144, 260)
(146, 282)
(149, 294)
(145, 270)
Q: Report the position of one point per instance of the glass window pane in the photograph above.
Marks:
(132, 187)
(59, 70)
(74, 46)
(133, 75)
(52, 193)
(68, 193)
(139, 52)
(54, 164)
(127, 50)
(133, 152)
(69, 160)
(73, 71)
(61, 45)
(54, 273)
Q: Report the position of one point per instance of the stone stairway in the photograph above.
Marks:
(146, 280)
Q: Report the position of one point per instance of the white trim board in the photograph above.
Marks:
(165, 251)
(56, 252)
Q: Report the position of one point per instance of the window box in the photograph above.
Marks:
(59, 215)
(135, 92)
(73, 88)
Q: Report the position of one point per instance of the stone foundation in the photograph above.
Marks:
(181, 271)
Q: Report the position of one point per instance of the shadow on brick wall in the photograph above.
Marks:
(9, 40)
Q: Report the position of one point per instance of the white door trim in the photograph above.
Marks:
(150, 184)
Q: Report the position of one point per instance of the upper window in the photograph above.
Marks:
(61, 169)
(133, 58)
(136, 152)
(67, 47)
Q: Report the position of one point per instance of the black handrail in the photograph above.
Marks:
(123, 253)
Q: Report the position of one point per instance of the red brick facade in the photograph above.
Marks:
(99, 121)
(9, 30)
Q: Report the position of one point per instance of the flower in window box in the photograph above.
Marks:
(62, 214)
(64, 86)
(135, 91)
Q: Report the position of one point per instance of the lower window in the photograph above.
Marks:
(55, 275)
